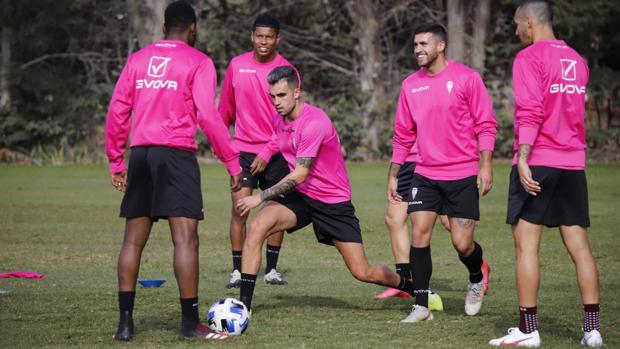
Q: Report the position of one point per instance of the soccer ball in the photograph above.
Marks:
(228, 315)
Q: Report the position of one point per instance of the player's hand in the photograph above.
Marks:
(235, 182)
(485, 179)
(257, 166)
(244, 205)
(525, 177)
(392, 193)
(119, 181)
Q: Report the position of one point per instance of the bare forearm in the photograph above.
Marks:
(524, 152)
(279, 189)
(394, 169)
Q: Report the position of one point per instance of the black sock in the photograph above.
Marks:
(248, 281)
(272, 257)
(473, 262)
(236, 256)
(421, 265)
(528, 319)
(189, 313)
(404, 270)
(591, 317)
(125, 301)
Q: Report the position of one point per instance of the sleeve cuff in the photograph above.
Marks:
(265, 154)
(527, 135)
(117, 166)
(486, 143)
(399, 155)
(233, 166)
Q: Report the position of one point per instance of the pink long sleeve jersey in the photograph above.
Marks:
(449, 116)
(549, 80)
(245, 101)
(170, 88)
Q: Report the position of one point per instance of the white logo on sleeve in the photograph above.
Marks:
(569, 71)
(157, 66)
(449, 85)
(157, 69)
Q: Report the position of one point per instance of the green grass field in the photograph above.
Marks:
(62, 221)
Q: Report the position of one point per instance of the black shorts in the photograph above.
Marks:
(405, 178)
(563, 199)
(162, 182)
(455, 198)
(329, 221)
(276, 169)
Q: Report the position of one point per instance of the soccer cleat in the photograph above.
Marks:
(516, 338)
(274, 278)
(592, 339)
(392, 292)
(473, 300)
(486, 271)
(434, 302)
(235, 279)
(418, 313)
(125, 328)
(201, 332)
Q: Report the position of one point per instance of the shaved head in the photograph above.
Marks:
(539, 10)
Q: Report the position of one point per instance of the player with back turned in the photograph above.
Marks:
(548, 183)
(164, 91)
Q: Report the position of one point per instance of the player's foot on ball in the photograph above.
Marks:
(274, 278)
(435, 302)
(418, 313)
(473, 300)
(201, 332)
(516, 338)
(235, 279)
(392, 292)
(486, 271)
(125, 328)
(592, 339)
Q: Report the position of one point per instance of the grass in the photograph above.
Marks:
(62, 221)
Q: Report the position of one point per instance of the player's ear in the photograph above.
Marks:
(278, 39)
(442, 46)
(297, 93)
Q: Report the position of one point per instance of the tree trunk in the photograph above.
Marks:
(481, 26)
(365, 16)
(147, 19)
(5, 62)
(456, 30)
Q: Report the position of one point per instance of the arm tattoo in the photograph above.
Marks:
(278, 190)
(465, 223)
(305, 162)
(524, 151)
(394, 169)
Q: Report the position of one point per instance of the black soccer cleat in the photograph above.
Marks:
(125, 328)
(201, 332)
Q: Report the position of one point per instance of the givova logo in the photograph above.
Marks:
(569, 73)
(157, 68)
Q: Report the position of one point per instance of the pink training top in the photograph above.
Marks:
(245, 101)
(549, 80)
(449, 116)
(312, 135)
(169, 87)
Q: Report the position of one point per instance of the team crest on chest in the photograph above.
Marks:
(449, 86)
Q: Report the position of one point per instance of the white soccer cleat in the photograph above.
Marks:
(516, 338)
(274, 278)
(592, 339)
(473, 300)
(235, 279)
(418, 313)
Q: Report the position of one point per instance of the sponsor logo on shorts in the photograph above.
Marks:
(414, 192)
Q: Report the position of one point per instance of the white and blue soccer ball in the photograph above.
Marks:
(228, 315)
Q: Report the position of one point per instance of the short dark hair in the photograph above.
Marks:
(539, 9)
(434, 28)
(266, 21)
(179, 15)
(284, 72)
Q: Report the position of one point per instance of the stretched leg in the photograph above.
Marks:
(355, 259)
(272, 217)
(137, 231)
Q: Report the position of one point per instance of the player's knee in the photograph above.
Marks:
(463, 248)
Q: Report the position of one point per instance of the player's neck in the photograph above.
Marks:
(265, 59)
(543, 33)
(437, 66)
(294, 114)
